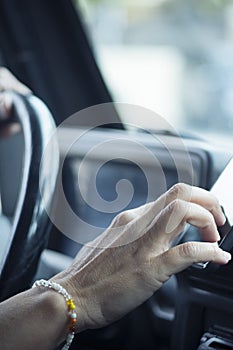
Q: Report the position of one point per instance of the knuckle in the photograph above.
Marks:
(209, 219)
(187, 250)
(215, 201)
(175, 205)
(140, 274)
(121, 219)
(214, 198)
(177, 190)
(215, 250)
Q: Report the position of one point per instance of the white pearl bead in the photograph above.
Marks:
(58, 288)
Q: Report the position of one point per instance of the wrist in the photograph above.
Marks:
(52, 314)
(70, 306)
(82, 322)
(38, 318)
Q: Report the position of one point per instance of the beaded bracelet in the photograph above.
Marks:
(70, 304)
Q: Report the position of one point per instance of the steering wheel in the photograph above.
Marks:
(30, 225)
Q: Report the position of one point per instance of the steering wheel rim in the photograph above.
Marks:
(31, 226)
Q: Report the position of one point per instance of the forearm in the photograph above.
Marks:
(35, 319)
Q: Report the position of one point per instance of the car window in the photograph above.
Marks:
(174, 57)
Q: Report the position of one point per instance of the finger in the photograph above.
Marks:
(179, 191)
(199, 196)
(146, 215)
(9, 130)
(9, 82)
(7, 125)
(172, 220)
(182, 256)
(5, 106)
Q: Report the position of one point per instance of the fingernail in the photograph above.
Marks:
(14, 128)
(227, 256)
(7, 103)
(2, 111)
(223, 219)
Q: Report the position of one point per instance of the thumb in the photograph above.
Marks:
(182, 256)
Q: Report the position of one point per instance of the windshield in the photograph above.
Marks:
(174, 57)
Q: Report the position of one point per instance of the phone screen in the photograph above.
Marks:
(223, 190)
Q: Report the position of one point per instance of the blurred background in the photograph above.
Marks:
(174, 57)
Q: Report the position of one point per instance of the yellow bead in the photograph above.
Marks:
(71, 304)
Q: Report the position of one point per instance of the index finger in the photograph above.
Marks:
(198, 196)
(186, 193)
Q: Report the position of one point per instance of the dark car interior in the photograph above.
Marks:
(46, 45)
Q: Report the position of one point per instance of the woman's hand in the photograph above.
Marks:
(7, 127)
(8, 82)
(133, 258)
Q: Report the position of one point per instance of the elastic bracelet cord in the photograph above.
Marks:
(70, 305)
